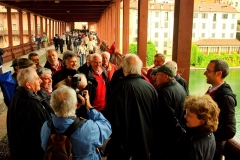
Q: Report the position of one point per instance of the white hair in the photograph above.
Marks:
(63, 101)
(83, 81)
(107, 54)
(95, 55)
(24, 75)
(132, 64)
(42, 70)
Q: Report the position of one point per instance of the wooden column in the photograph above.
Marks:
(117, 25)
(125, 35)
(9, 21)
(110, 25)
(53, 29)
(50, 28)
(113, 23)
(36, 29)
(46, 30)
(29, 26)
(183, 19)
(20, 26)
(41, 25)
(142, 31)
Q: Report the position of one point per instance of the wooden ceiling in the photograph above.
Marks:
(63, 10)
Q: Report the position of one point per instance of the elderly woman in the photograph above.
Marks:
(27, 112)
(89, 136)
(201, 121)
(110, 68)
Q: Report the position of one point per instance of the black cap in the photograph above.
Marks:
(14, 63)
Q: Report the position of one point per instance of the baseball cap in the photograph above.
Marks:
(167, 69)
(154, 71)
(24, 63)
(14, 62)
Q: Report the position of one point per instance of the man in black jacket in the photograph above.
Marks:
(223, 95)
(132, 112)
(171, 96)
(29, 108)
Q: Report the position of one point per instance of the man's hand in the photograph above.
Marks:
(85, 99)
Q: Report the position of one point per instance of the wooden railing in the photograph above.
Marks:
(232, 149)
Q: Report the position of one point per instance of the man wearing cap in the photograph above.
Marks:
(15, 69)
(171, 96)
(25, 63)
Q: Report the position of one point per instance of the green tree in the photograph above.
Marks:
(194, 55)
(151, 51)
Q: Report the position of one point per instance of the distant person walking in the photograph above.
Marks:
(45, 41)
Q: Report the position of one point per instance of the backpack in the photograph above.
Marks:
(59, 147)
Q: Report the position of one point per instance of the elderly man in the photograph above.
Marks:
(26, 114)
(35, 58)
(89, 136)
(97, 82)
(25, 63)
(223, 95)
(110, 68)
(69, 69)
(45, 75)
(178, 77)
(171, 96)
(53, 62)
(159, 59)
(132, 112)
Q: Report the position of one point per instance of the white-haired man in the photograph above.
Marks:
(89, 136)
(97, 82)
(27, 112)
(132, 111)
(45, 74)
(110, 68)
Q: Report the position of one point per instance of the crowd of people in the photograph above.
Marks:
(143, 117)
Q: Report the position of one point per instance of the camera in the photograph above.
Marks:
(74, 85)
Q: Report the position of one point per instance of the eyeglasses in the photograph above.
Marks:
(210, 71)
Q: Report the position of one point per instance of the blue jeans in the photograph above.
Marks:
(82, 59)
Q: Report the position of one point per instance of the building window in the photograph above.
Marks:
(204, 15)
(224, 16)
(193, 35)
(156, 14)
(165, 52)
(214, 17)
(156, 25)
(136, 31)
(165, 44)
(213, 35)
(14, 27)
(166, 16)
(224, 26)
(156, 43)
(195, 15)
(233, 16)
(203, 25)
(165, 34)
(15, 38)
(231, 35)
(214, 26)
(134, 39)
(223, 35)
(236, 4)
(156, 34)
(203, 35)
(232, 26)
(166, 25)
(194, 25)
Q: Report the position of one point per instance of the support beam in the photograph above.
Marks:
(9, 21)
(142, 31)
(125, 34)
(182, 36)
(117, 25)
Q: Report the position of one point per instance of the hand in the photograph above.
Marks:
(85, 100)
